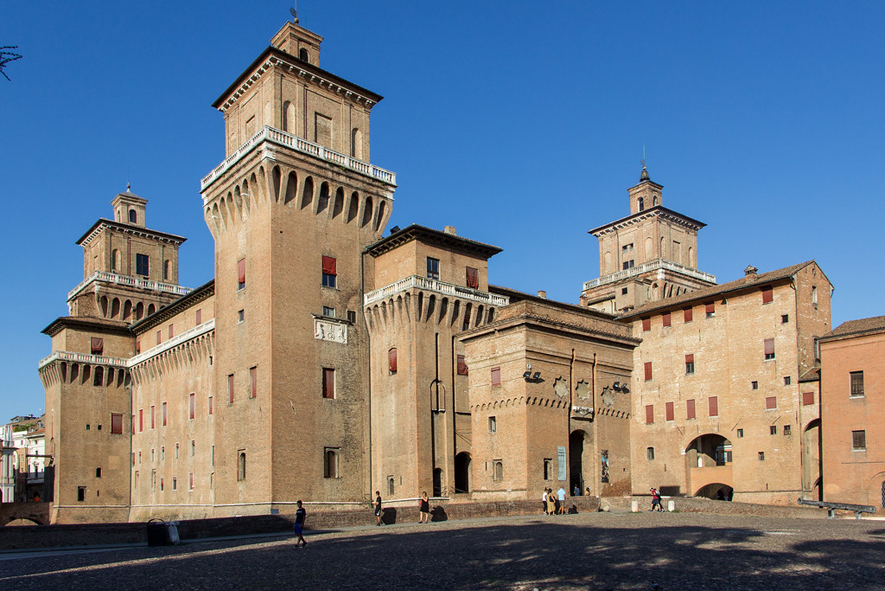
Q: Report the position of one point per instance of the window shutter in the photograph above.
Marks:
(192, 405)
(646, 324)
(200, 316)
(650, 414)
(687, 315)
(253, 378)
(496, 376)
(770, 402)
(669, 411)
(391, 360)
(230, 388)
(462, 366)
(666, 319)
(689, 409)
(472, 278)
(116, 423)
(330, 266)
(767, 295)
(807, 398)
(714, 406)
(710, 308)
(769, 348)
(689, 358)
(241, 271)
(647, 370)
(328, 383)
(97, 345)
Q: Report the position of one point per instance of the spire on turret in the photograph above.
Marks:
(644, 175)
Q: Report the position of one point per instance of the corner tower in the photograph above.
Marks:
(291, 209)
(647, 256)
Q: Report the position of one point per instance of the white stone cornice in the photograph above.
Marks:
(128, 281)
(187, 335)
(648, 214)
(142, 232)
(269, 136)
(423, 283)
(659, 265)
(83, 358)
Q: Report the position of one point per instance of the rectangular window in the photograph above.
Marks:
(241, 316)
(770, 402)
(97, 345)
(190, 480)
(856, 378)
(785, 318)
(432, 268)
(163, 413)
(628, 264)
(174, 483)
(391, 361)
(211, 408)
(230, 388)
(754, 385)
(253, 382)
(687, 315)
(665, 317)
(714, 406)
(330, 272)
(142, 264)
(159, 336)
(689, 409)
(328, 312)
(140, 420)
(761, 456)
(807, 398)
(133, 423)
(192, 406)
(171, 330)
(138, 346)
(193, 447)
(787, 380)
(116, 423)
(462, 366)
(81, 492)
(177, 450)
(646, 324)
(648, 371)
(199, 317)
(351, 316)
(472, 278)
(241, 273)
(689, 364)
(740, 433)
(772, 429)
(710, 309)
(153, 417)
(649, 414)
(767, 295)
(328, 383)
(493, 425)
(548, 469)
(768, 345)
(858, 440)
(624, 291)
(787, 430)
(496, 376)
(669, 412)
(650, 453)
(330, 463)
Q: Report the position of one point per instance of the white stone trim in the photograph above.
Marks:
(129, 281)
(82, 358)
(657, 265)
(187, 335)
(419, 282)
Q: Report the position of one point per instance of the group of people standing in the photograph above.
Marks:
(554, 503)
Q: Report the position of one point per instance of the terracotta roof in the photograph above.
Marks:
(429, 235)
(853, 327)
(86, 323)
(714, 291)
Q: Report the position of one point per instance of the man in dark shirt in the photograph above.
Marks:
(300, 515)
(378, 507)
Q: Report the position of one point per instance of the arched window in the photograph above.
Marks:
(367, 212)
(356, 143)
(241, 465)
(133, 216)
(98, 376)
(641, 204)
(139, 310)
(167, 265)
(499, 470)
(330, 463)
(303, 55)
(391, 361)
(288, 117)
(115, 260)
(151, 309)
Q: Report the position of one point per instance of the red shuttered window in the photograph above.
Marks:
(472, 278)
(241, 273)
(328, 383)
(768, 346)
(669, 411)
(807, 398)
(200, 316)
(163, 413)
(648, 372)
(192, 406)
(646, 324)
(97, 345)
(710, 309)
(650, 414)
(230, 388)
(689, 409)
(496, 376)
(687, 315)
(666, 318)
(253, 382)
(462, 366)
(714, 406)
(767, 295)
(116, 424)
(391, 361)
(770, 402)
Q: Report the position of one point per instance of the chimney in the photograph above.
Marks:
(542, 294)
(451, 230)
(750, 271)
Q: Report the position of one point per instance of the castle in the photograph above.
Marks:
(325, 360)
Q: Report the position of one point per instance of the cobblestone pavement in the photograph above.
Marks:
(660, 551)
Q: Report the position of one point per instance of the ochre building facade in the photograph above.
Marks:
(325, 360)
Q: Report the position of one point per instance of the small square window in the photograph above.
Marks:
(788, 430)
(761, 456)
(650, 453)
(754, 385)
(241, 316)
(328, 312)
(787, 380)
(710, 309)
(856, 378)
(432, 268)
(770, 402)
(351, 316)
(740, 433)
(772, 429)
(785, 318)
(493, 425)
(623, 291)
(858, 440)
(689, 364)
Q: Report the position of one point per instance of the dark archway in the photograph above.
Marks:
(437, 482)
(576, 442)
(462, 472)
(716, 491)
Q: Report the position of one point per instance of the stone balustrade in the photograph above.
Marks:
(282, 138)
(82, 358)
(434, 285)
(659, 264)
(128, 281)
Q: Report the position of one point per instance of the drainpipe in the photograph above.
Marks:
(571, 375)
(368, 364)
(594, 403)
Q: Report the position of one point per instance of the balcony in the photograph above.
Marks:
(449, 289)
(282, 138)
(658, 265)
(82, 358)
(128, 281)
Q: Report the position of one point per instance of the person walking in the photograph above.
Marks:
(544, 502)
(378, 507)
(300, 516)
(655, 500)
(551, 502)
(560, 501)
(424, 509)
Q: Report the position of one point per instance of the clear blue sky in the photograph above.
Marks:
(520, 123)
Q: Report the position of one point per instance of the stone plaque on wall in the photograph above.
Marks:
(324, 330)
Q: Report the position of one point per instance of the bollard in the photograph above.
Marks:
(634, 507)
(671, 506)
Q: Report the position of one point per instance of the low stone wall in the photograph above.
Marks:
(52, 536)
(702, 505)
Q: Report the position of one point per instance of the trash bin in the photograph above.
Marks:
(156, 532)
